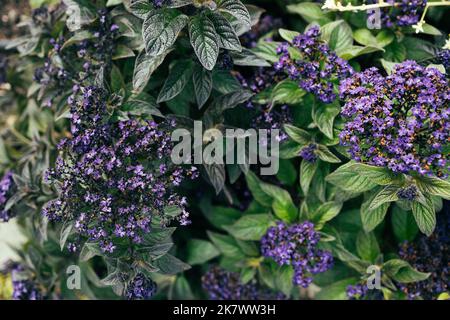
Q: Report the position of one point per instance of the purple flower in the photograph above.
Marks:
(399, 121)
(407, 13)
(7, 189)
(24, 288)
(318, 68)
(308, 153)
(220, 284)
(141, 288)
(429, 254)
(296, 245)
(111, 185)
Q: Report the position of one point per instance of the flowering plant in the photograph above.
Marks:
(94, 94)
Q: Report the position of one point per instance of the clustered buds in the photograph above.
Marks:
(360, 291)
(220, 284)
(318, 69)
(140, 288)
(406, 13)
(7, 189)
(268, 117)
(429, 254)
(297, 245)
(114, 177)
(308, 153)
(400, 121)
(24, 288)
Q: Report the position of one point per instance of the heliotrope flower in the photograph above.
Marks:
(115, 178)
(429, 254)
(140, 288)
(360, 291)
(399, 121)
(24, 288)
(406, 13)
(7, 189)
(72, 66)
(296, 245)
(220, 284)
(444, 58)
(308, 152)
(268, 117)
(157, 4)
(318, 69)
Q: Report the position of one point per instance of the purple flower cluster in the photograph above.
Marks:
(7, 189)
(267, 117)
(23, 288)
(140, 288)
(360, 291)
(264, 26)
(297, 245)
(157, 4)
(408, 193)
(406, 13)
(80, 61)
(309, 152)
(429, 254)
(115, 178)
(220, 284)
(444, 58)
(318, 69)
(400, 121)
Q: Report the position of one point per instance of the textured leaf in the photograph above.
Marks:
(250, 227)
(425, 216)
(237, 9)
(204, 40)
(160, 30)
(307, 170)
(179, 76)
(372, 218)
(227, 36)
(203, 84)
(200, 251)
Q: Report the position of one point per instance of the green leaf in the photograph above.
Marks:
(282, 205)
(367, 246)
(204, 40)
(227, 36)
(140, 8)
(388, 194)
(65, 232)
(121, 52)
(89, 251)
(299, 135)
(144, 67)
(388, 65)
(424, 215)
(226, 244)
(323, 116)
(372, 218)
(287, 92)
(290, 149)
(237, 9)
(325, 213)
(250, 227)
(248, 58)
(358, 177)
(182, 289)
(216, 174)
(403, 224)
(160, 30)
(307, 170)
(340, 36)
(288, 35)
(326, 155)
(283, 279)
(401, 271)
(311, 12)
(365, 37)
(168, 264)
(434, 186)
(203, 84)
(200, 251)
(336, 291)
(254, 184)
(356, 51)
(178, 77)
(221, 216)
